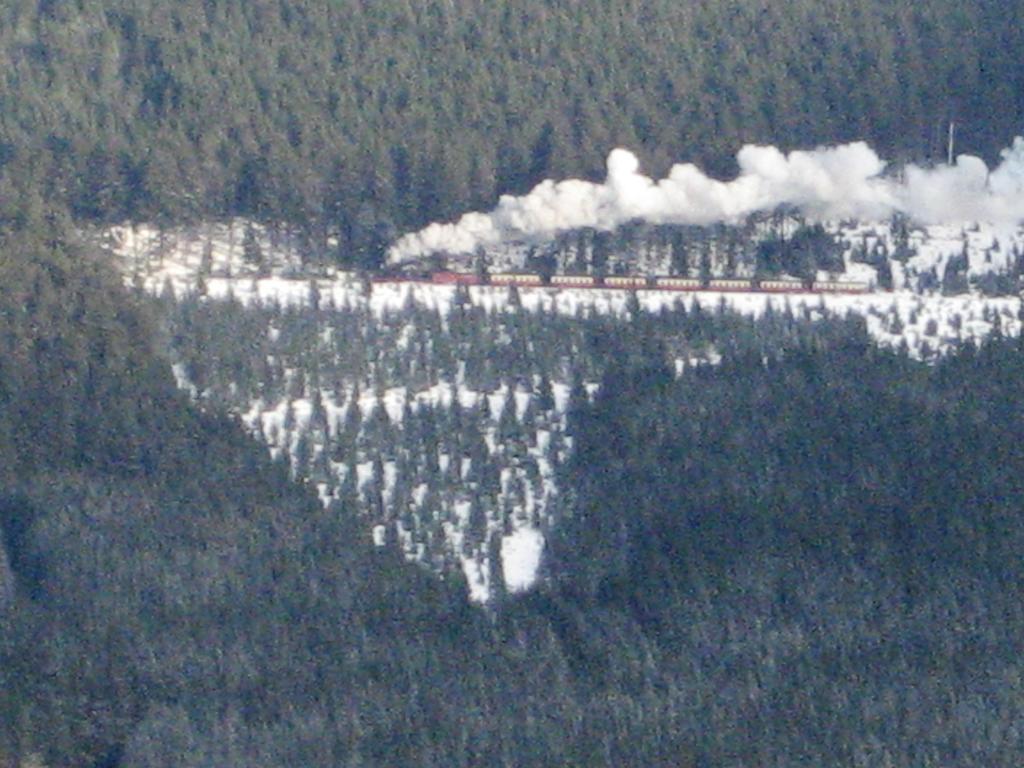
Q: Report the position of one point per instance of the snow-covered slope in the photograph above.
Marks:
(927, 251)
(350, 375)
(919, 315)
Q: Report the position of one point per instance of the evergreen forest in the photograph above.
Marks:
(361, 120)
(247, 533)
(807, 551)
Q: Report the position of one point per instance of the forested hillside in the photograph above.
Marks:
(440, 416)
(169, 597)
(762, 538)
(368, 118)
(807, 552)
(822, 549)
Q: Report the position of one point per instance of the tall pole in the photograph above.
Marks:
(952, 131)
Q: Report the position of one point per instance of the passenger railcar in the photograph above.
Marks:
(516, 279)
(573, 281)
(838, 286)
(730, 284)
(781, 285)
(625, 281)
(678, 283)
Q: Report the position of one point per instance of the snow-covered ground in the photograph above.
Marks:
(927, 322)
(988, 248)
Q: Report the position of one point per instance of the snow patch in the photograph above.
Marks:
(521, 554)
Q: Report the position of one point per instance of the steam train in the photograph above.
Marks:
(631, 282)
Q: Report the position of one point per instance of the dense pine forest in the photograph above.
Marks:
(805, 552)
(366, 119)
(766, 541)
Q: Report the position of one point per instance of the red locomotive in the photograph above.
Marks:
(455, 278)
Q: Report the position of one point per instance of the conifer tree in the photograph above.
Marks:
(252, 251)
(496, 572)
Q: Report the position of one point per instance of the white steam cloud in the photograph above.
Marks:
(842, 182)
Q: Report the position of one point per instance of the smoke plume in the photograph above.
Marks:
(829, 183)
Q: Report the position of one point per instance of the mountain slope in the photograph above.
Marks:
(442, 417)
